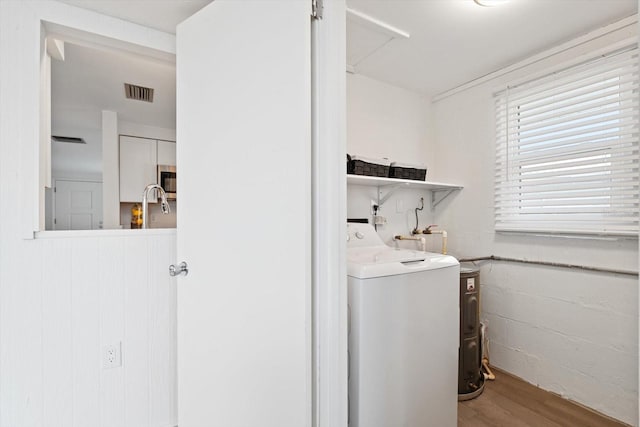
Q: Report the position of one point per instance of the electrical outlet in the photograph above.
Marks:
(112, 356)
(374, 203)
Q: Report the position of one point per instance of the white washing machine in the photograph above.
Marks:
(403, 334)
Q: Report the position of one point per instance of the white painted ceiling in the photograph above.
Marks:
(162, 15)
(92, 79)
(455, 41)
(89, 81)
(451, 43)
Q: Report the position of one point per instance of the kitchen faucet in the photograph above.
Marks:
(145, 195)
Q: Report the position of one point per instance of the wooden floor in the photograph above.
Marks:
(511, 402)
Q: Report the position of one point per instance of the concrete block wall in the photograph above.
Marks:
(572, 332)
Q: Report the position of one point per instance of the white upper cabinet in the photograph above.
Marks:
(138, 161)
(167, 153)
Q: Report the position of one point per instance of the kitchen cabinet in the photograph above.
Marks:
(139, 158)
(166, 153)
(138, 161)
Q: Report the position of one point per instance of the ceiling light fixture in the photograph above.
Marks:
(490, 3)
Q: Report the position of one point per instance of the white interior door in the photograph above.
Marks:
(243, 114)
(78, 205)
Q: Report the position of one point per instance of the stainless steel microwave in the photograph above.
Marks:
(167, 180)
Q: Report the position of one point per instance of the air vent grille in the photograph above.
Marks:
(68, 139)
(139, 93)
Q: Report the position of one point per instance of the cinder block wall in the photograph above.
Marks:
(572, 332)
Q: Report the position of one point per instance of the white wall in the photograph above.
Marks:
(146, 131)
(387, 121)
(570, 332)
(110, 171)
(76, 160)
(62, 299)
(90, 292)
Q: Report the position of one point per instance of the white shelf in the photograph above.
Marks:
(406, 183)
(394, 184)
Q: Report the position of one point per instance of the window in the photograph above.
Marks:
(567, 150)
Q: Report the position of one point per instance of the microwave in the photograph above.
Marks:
(167, 180)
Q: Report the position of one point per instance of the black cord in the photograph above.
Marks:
(415, 230)
(375, 214)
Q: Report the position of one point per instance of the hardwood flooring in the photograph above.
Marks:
(511, 402)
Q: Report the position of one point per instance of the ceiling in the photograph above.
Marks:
(162, 15)
(451, 41)
(91, 80)
(455, 41)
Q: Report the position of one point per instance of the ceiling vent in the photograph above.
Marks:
(139, 93)
(68, 139)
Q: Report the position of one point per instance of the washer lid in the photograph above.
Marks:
(380, 261)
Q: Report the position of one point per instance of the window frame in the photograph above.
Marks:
(514, 202)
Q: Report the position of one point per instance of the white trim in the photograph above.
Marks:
(370, 21)
(593, 35)
(329, 218)
(49, 17)
(589, 56)
(73, 234)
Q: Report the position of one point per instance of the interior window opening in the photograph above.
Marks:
(113, 132)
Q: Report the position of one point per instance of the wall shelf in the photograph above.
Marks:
(439, 190)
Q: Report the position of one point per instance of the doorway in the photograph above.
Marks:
(77, 205)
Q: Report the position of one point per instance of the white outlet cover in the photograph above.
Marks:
(112, 356)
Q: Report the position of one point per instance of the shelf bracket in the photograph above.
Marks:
(392, 189)
(435, 200)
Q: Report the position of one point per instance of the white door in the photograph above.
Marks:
(78, 205)
(243, 114)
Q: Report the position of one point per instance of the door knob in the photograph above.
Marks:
(176, 271)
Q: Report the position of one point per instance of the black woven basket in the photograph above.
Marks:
(407, 173)
(359, 167)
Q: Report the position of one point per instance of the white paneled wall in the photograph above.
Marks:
(98, 291)
(63, 298)
(91, 292)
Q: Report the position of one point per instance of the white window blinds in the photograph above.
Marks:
(567, 150)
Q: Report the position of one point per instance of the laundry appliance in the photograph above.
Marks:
(403, 334)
